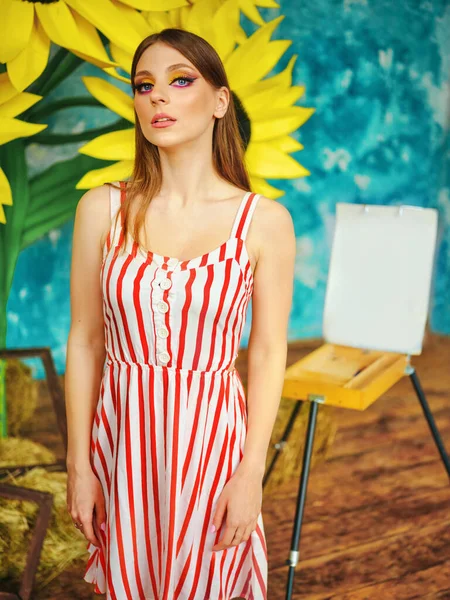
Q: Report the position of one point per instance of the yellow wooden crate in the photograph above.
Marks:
(344, 376)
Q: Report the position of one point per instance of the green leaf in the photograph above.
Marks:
(54, 197)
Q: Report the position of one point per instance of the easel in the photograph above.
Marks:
(374, 320)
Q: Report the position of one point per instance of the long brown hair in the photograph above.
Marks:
(228, 145)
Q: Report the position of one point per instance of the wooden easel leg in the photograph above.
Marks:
(430, 419)
(301, 498)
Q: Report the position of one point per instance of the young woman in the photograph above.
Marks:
(166, 454)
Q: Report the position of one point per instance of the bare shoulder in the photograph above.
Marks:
(93, 212)
(273, 227)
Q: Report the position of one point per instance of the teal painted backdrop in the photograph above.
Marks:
(377, 72)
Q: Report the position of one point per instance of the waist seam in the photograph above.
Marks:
(230, 369)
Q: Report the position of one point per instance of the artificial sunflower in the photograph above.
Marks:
(29, 26)
(248, 7)
(13, 104)
(266, 131)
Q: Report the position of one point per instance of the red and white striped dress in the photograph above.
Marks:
(171, 421)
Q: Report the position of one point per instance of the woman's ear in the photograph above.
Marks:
(222, 100)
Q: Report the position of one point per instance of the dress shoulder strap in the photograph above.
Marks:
(244, 215)
(115, 201)
(116, 197)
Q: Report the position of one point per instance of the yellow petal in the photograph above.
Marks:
(111, 96)
(11, 129)
(240, 35)
(17, 23)
(253, 69)
(109, 20)
(88, 58)
(277, 97)
(267, 4)
(250, 11)
(116, 172)
(182, 14)
(156, 4)
(5, 195)
(157, 21)
(279, 122)
(136, 19)
(201, 12)
(123, 58)
(58, 23)
(286, 143)
(117, 145)
(114, 73)
(263, 160)
(72, 31)
(281, 79)
(224, 24)
(19, 104)
(30, 63)
(7, 90)
(290, 96)
(260, 186)
(91, 44)
(256, 56)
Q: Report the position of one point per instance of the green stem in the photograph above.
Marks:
(50, 139)
(38, 112)
(35, 87)
(13, 162)
(60, 67)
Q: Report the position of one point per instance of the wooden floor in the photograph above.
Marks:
(377, 516)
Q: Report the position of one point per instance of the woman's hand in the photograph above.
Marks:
(241, 498)
(86, 502)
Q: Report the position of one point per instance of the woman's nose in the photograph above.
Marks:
(158, 94)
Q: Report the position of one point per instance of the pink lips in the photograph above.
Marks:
(163, 123)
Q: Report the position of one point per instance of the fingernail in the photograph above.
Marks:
(213, 528)
(103, 526)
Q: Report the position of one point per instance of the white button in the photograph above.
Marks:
(172, 262)
(165, 284)
(163, 332)
(163, 306)
(164, 357)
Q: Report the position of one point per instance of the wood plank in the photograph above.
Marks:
(326, 535)
(343, 571)
(409, 586)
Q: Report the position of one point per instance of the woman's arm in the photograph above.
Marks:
(241, 497)
(267, 348)
(86, 343)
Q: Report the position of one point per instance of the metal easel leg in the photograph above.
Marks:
(301, 498)
(281, 444)
(429, 417)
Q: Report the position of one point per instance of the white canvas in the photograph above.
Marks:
(380, 276)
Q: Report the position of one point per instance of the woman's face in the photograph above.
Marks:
(167, 82)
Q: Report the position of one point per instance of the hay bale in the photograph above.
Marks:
(22, 451)
(21, 395)
(63, 543)
(289, 462)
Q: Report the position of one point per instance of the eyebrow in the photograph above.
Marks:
(170, 68)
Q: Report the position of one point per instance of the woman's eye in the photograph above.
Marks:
(189, 80)
(141, 85)
(185, 82)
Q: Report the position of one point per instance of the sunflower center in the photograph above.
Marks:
(41, 1)
(243, 120)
